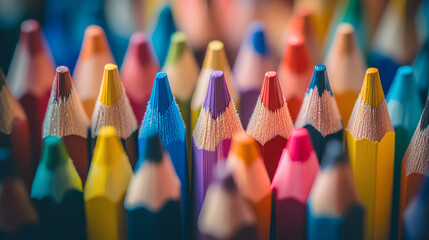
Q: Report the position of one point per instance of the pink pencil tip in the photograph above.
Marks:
(31, 36)
(139, 47)
(299, 145)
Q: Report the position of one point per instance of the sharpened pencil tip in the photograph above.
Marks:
(139, 48)
(296, 55)
(94, 42)
(271, 93)
(244, 147)
(151, 149)
(346, 42)
(30, 37)
(178, 46)
(299, 144)
(403, 85)
(111, 88)
(320, 80)
(256, 37)
(62, 83)
(217, 97)
(215, 56)
(161, 96)
(372, 91)
(53, 152)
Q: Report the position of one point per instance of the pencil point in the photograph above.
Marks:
(62, 83)
(245, 148)
(139, 48)
(271, 93)
(31, 36)
(165, 26)
(333, 154)
(346, 42)
(152, 149)
(217, 97)
(320, 80)
(177, 47)
(6, 164)
(215, 55)
(403, 86)
(299, 144)
(296, 56)
(256, 38)
(161, 96)
(94, 42)
(53, 152)
(111, 86)
(107, 146)
(372, 92)
(425, 117)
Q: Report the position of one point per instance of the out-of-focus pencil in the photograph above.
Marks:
(162, 32)
(57, 193)
(422, 71)
(66, 118)
(270, 124)
(253, 61)
(346, 67)
(30, 79)
(370, 140)
(137, 72)
(88, 72)
(417, 214)
(251, 177)
(113, 109)
(108, 178)
(319, 112)
(15, 132)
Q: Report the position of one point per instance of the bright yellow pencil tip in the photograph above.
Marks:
(108, 147)
(215, 56)
(245, 148)
(372, 91)
(111, 87)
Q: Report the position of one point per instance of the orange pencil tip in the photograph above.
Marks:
(94, 42)
(244, 147)
(296, 55)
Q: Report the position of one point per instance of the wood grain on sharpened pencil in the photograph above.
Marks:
(163, 117)
(216, 125)
(153, 198)
(252, 180)
(137, 72)
(215, 59)
(319, 112)
(335, 210)
(292, 183)
(270, 123)
(66, 118)
(253, 61)
(416, 214)
(295, 70)
(346, 68)
(30, 79)
(18, 217)
(422, 71)
(226, 214)
(415, 164)
(182, 71)
(162, 32)
(88, 72)
(113, 109)
(15, 132)
(57, 193)
(370, 140)
(404, 108)
(108, 178)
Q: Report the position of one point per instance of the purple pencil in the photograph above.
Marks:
(217, 123)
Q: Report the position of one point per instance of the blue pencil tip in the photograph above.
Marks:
(320, 80)
(161, 96)
(256, 36)
(6, 164)
(403, 86)
(151, 149)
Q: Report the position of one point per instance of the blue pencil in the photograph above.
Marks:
(422, 71)
(161, 35)
(153, 198)
(416, 216)
(163, 116)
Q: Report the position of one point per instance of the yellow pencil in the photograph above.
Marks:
(370, 140)
(104, 192)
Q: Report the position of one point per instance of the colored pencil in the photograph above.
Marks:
(153, 198)
(370, 139)
(88, 72)
(374, 11)
(57, 193)
(138, 71)
(291, 185)
(301, 24)
(404, 108)
(30, 79)
(226, 215)
(319, 113)
(270, 124)
(15, 133)
(182, 71)
(346, 69)
(66, 118)
(113, 109)
(398, 23)
(215, 59)
(162, 32)
(108, 178)
(422, 73)
(216, 125)
(253, 60)
(163, 117)
(417, 214)
(335, 210)
(18, 218)
(295, 70)
(251, 177)
(415, 163)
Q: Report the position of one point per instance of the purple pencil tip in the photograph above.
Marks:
(217, 97)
